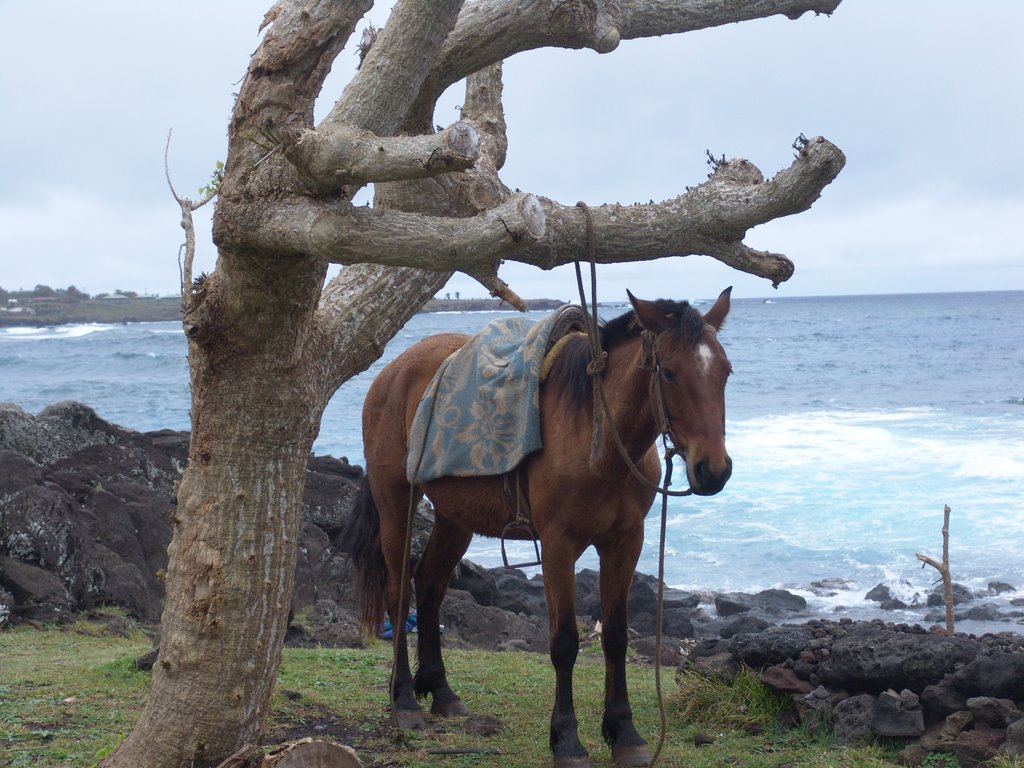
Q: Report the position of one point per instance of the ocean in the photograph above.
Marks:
(851, 422)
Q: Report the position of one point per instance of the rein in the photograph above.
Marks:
(596, 368)
(602, 413)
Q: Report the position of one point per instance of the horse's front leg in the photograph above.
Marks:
(618, 562)
(559, 561)
(447, 544)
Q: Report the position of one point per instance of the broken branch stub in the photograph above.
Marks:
(943, 569)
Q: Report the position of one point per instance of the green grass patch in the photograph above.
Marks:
(68, 696)
(741, 703)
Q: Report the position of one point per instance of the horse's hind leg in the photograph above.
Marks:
(393, 500)
(447, 544)
(618, 562)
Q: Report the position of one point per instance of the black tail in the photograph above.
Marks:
(361, 540)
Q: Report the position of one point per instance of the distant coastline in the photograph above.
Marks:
(122, 309)
(486, 305)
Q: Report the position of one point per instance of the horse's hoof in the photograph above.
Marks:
(410, 719)
(632, 755)
(451, 708)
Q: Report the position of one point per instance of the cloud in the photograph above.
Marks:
(946, 240)
(922, 97)
(94, 246)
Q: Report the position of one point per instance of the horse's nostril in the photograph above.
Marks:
(708, 479)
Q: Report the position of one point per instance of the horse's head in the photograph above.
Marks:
(692, 369)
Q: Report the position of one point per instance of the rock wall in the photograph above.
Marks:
(955, 694)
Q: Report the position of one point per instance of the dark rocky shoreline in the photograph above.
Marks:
(84, 522)
(84, 508)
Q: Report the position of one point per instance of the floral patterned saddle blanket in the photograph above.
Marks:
(480, 414)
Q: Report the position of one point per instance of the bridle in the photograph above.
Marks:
(649, 362)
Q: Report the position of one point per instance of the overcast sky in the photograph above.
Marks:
(925, 97)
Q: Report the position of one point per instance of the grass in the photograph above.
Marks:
(69, 695)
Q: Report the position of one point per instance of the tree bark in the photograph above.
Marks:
(269, 342)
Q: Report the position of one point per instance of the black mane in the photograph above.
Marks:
(569, 372)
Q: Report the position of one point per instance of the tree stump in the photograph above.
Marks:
(312, 754)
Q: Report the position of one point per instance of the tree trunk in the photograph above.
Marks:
(256, 411)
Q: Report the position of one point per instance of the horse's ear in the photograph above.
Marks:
(649, 316)
(716, 315)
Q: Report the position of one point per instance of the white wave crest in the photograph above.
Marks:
(53, 332)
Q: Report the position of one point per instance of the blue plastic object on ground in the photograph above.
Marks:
(386, 632)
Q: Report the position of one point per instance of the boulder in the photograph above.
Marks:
(999, 587)
(816, 708)
(898, 715)
(489, 627)
(1013, 747)
(942, 699)
(743, 625)
(476, 580)
(784, 680)
(676, 622)
(985, 612)
(941, 737)
(59, 430)
(779, 602)
(672, 649)
(712, 659)
(1000, 674)
(518, 593)
(730, 605)
(974, 748)
(87, 505)
(997, 713)
(893, 597)
(772, 646)
(913, 754)
(961, 595)
(852, 718)
(871, 659)
(331, 486)
(38, 594)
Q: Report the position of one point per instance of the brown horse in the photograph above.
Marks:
(575, 502)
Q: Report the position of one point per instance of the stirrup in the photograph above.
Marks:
(520, 525)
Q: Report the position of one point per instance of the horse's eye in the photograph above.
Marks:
(669, 375)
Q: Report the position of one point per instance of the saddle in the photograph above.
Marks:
(480, 414)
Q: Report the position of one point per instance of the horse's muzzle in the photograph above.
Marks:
(706, 480)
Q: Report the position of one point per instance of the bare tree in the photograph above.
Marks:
(270, 341)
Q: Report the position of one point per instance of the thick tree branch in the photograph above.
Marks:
(483, 106)
(641, 18)
(476, 244)
(352, 307)
(710, 219)
(287, 71)
(393, 71)
(489, 31)
(334, 156)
